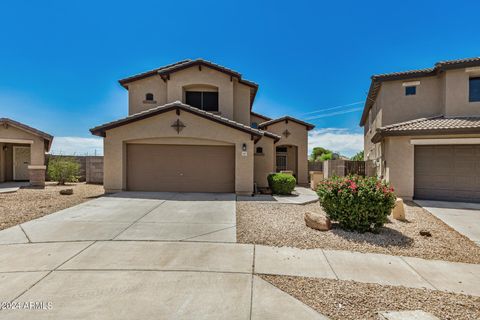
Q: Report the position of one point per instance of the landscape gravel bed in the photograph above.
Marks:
(283, 225)
(352, 300)
(28, 204)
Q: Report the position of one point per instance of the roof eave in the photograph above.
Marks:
(309, 126)
(380, 134)
(101, 130)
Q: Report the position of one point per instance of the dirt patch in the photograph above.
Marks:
(284, 225)
(28, 204)
(351, 300)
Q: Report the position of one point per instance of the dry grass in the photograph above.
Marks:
(28, 204)
(283, 225)
(351, 300)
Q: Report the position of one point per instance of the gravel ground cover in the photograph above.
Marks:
(351, 300)
(28, 204)
(283, 225)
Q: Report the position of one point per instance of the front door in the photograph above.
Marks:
(281, 162)
(21, 160)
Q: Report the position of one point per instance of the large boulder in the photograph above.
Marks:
(317, 221)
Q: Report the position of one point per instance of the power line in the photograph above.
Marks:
(333, 108)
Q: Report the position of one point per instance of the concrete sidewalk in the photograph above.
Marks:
(300, 195)
(369, 268)
(243, 259)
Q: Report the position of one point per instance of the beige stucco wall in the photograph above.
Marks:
(241, 103)
(254, 118)
(397, 107)
(197, 131)
(457, 93)
(298, 137)
(138, 89)
(265, 162)
(37, 147)
(233, 97)
(399, 166)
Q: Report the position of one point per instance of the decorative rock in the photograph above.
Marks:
(66, 192)
(425, 233)
(398, 211)
(317, 221)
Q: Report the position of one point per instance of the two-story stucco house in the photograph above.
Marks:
(422, 130)
(191, 128)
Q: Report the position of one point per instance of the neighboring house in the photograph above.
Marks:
(22, 152)
(191, 129)
(422, 129)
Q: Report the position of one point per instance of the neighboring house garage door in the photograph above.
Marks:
(450, 173)
(180, 168)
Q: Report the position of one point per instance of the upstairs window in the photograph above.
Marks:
(149, 97)
(410, 90)
(254, 125)
(259, 150)
(474, 94)
(204, 100)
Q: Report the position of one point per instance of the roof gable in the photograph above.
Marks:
(47, 137)
(165, 71)
(286, 118)
(177, 105)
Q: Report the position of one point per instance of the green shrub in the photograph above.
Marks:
(281, 183)
(63, 169)
(357, 203)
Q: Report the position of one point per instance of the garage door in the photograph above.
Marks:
(450, 173)
(180, 168)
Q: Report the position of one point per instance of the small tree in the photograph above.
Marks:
(63, 170)
(318, 152)
(325, 156)
(358, 156)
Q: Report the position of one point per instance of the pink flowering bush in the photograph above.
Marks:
(357, 203)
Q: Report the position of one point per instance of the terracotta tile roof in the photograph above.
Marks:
(100, 130)
(164, 72)
(412, 74)
(286, 118)
(433, 125)
(47, 137)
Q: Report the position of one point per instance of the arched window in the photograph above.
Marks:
(149, 97)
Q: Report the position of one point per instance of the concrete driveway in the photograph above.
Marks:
(461, 216)
(138, 256)
(140, 216)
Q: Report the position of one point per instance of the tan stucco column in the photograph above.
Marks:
(37, 167)
(2, 163)
(244, 162)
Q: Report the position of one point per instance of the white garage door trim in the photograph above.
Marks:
(426, 142)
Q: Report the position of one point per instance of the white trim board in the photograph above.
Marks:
(445, 141)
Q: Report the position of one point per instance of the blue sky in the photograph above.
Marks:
(60, 60)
